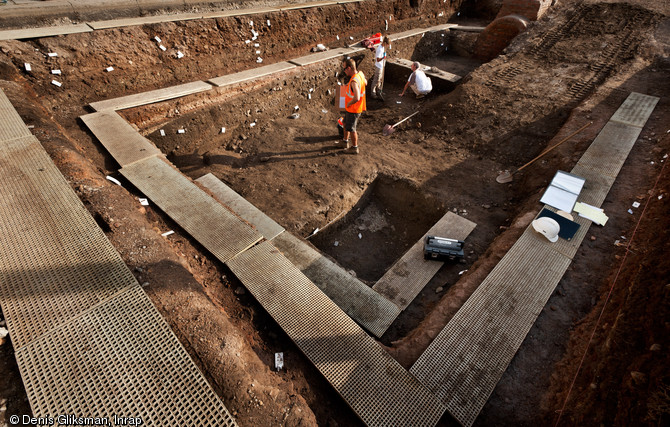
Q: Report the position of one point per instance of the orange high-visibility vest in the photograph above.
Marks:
(360, 106)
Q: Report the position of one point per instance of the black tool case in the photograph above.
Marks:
(443, 248)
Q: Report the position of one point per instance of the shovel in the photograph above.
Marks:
(506, 176)
(388, 129)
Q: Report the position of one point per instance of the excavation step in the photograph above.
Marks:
(219, 230)
(379, 390)
(151, 96)
(241, 206)
(408, 276)
(251, 74)
(371, 310)
(122, 141)
(469, 356)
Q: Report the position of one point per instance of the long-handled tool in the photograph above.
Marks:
(506, 176)
(388, 129)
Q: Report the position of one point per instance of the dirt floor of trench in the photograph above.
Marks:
(503, 114)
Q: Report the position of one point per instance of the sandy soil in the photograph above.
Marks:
(503, 114)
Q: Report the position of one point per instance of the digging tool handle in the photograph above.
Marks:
(408, 117)
(554, 146)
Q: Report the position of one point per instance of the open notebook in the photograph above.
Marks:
(563, 191)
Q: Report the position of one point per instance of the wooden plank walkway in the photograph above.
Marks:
(370, 309)
(243, 208)
(322, 56)
(151, 96)
(251, 74)
(218, 229)
(408, 276)
(294, 6)
(36, 33)
(87, 339)
(379, 390)
(143, 20)
(122, 141)
(469, 356)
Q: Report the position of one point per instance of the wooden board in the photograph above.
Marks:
(251, 74)
(151, 96)
(39, 32)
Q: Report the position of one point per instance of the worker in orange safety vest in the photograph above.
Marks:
(354, 98)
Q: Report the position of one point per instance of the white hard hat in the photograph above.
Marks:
(548, 227)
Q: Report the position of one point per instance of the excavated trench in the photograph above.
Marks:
(274, 141)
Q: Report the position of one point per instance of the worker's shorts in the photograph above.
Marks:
(350, 121)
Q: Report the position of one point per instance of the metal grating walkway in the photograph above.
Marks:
(87, 339)
(119, 358)
(376, 387)
(56, 262)
(238, 204)
(371, 310)
(12, 125)
(122, 141)
(408, 276)
(208, 221)
(469, 356)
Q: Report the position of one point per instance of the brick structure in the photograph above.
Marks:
(498, 34)
(531, 9)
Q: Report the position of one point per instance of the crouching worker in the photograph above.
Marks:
(418, 81)
(354, 98)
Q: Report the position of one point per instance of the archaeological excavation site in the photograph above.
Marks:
(335, 213)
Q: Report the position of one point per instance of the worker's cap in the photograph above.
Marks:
(548, 227)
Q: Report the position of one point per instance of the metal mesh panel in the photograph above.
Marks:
(635, 110)
(122, 141)
(609, 150)
(56, 262)
(119, 359)
(466, 360)
(371, 310)
(208, 221)
(238, 204)
(12, 124)
(376, 387)
(408, 276)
